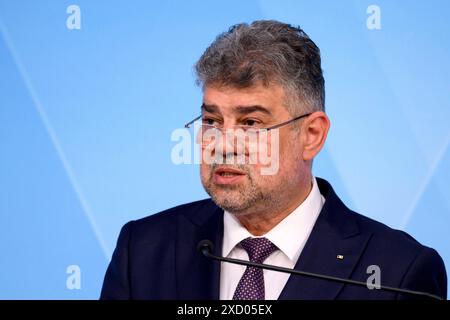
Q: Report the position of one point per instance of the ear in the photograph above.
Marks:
(314, 133)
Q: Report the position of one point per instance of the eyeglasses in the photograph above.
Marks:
(244, 127)
(210, 133)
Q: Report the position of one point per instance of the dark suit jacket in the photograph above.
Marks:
(156, 257)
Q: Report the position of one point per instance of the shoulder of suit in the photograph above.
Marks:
(166, 219)
(387, 239)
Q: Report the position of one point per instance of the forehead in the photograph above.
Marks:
(227, 98)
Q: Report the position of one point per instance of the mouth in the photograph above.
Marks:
(228, 176)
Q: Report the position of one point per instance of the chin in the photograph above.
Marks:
(234, 206)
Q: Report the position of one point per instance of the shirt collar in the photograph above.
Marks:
(289, 235)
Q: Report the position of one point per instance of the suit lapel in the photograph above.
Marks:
(335, 233)
(198, 277)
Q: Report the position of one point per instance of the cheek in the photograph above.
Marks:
(292, 145)
(290, 155)
(204, 170)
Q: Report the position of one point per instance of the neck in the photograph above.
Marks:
(262, 221)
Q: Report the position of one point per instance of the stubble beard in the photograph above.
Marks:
(244, 198)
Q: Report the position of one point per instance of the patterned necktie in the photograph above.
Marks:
(251, 285)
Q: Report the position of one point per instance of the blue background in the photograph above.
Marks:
(86, 119)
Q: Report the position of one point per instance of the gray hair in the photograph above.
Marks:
(266, 52)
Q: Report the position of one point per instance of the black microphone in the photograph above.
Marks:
(206, 248)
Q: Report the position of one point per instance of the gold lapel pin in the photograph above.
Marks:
(340, 257)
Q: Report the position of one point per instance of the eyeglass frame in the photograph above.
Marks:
(188, 125)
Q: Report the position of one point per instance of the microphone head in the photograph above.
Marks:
(205, 246)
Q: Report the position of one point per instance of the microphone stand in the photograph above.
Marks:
(206, 247)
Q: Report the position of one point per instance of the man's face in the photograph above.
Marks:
(242, 188)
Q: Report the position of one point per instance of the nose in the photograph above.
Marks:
(225, 144)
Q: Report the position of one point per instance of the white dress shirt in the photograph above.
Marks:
(290, 236)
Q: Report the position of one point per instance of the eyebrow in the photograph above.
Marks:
(242, 110)
(211, 108)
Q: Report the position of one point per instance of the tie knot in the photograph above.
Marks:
(258, 249)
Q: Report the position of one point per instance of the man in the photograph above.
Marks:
(258, 77)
